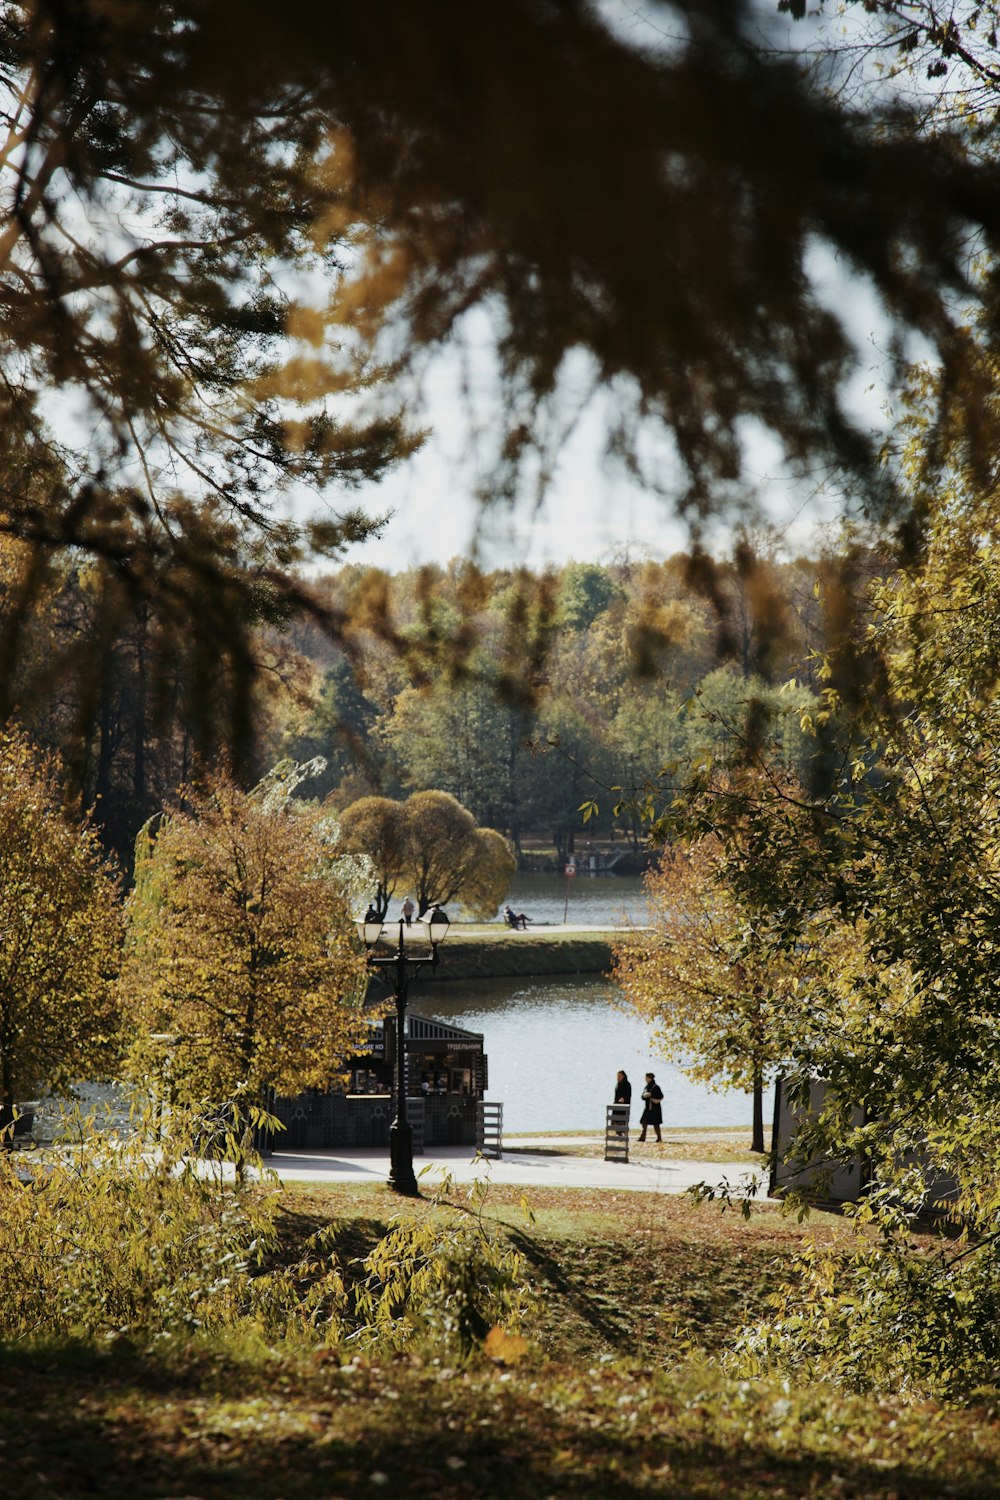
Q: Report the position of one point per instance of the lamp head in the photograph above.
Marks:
(437, 926)
(370, 928)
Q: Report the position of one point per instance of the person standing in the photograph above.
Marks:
(408, 910)
(623, 1089)
(652, 1113)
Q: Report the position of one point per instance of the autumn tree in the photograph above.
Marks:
(430, 845)
(882, 882)
(716, 999)
(241, 946)
(751, 197)
(378, 829)
(192, 372)
(450, 859)
(60, 933)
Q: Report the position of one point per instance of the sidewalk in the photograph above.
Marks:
(520, 1168)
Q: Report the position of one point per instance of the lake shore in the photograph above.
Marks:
(483, 950)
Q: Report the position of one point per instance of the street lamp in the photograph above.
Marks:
(405, 966)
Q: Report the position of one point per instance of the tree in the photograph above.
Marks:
(378, 828)
(585, 591)
(569, 759)
(780, 165)
(340, 729)
(716, 997)
(60, 932)
(488, 874)
(925, 54)
(735, 719)
(430, 844)
(883, 882)
(192, 385)
(450, 859)
(241, 945)
(178, 325)
(463, 739)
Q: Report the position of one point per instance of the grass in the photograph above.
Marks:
(620, 1398)
(721, 1145)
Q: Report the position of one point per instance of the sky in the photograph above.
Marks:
(591, 511)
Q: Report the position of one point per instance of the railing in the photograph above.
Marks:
(489, 1129)
(415, 1120)
(616, 1133)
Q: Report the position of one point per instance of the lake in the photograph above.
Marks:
(555, 1044)
(595, 900)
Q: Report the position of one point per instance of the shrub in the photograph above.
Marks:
(150, 1232)
(442, 1283)
(893, 1317)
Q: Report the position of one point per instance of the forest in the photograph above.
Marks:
(633, 672)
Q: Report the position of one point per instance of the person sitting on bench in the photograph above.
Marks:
(516, 919)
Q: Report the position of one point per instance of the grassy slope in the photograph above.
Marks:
(619, 1400)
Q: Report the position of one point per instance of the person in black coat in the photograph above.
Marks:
(652, 1114)
(623, 1089)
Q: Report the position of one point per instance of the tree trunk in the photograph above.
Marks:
(139, 741)
(102, 779)
(757, 1144)
(7, 1110)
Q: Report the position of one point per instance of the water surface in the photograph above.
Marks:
(601, 900)
(554, 1046)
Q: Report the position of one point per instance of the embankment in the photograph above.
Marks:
(510, 955)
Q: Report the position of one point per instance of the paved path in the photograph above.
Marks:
(523, 1168)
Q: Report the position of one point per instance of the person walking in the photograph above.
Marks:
(652, 1113)
(623, 1089)
(408, 910)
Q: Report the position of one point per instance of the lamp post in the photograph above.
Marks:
(404, 966)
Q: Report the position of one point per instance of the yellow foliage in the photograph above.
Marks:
(59, 932)
(505, 1348)
(713, 995)
(241, 945)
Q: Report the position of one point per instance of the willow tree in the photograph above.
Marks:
(241, 949)
(376, 827)
(431, 847)
(60, 932)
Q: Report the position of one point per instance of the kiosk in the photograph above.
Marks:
(446, 1078)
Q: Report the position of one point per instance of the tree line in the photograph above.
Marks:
(524, 696)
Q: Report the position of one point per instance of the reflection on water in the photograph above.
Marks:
(603, 900)
(554, 1045)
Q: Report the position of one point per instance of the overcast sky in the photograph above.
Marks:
(592, 511)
